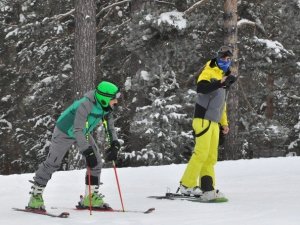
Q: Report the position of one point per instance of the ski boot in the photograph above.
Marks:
(95, 200)
(195, 191)
(214, 195)
(36, 199)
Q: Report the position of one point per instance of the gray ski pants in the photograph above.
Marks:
(60, 144)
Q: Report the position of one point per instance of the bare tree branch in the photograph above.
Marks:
(193, 7)
(112, 5)
(102, 21)
(294, 97)
(62, 16)
(243, 22)
(164, 2)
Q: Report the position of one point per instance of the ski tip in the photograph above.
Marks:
(64, 215)
(149, 210)
(220, 200)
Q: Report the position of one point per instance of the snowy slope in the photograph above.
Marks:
(261, 192)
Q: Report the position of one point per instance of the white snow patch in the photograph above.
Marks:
(67, 67)
(148, 17)
(128, 84)
(48, 80)
(177, 116)
(165, 119)
(276, 47)
(142, 122)
(44, 121)
(12, 33)
(297, 126)
(5, 124)
(160, 134)
(173, 18)
(274, 128)
(273, 203)
(120, 13)
(158, 102)
(22, 18)
(59, 29)
(5, 98)
(149, 131)
(6, 8)
(298, 4)
(173, 107)
(191, 92)
(145, 75)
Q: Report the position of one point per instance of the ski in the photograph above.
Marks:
(176, 196)
(150, 210)
(217, 200)
(97, 209)
(43, 212)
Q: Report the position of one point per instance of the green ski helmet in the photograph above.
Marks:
(105, 92)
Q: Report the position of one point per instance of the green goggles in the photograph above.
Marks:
(112, 96)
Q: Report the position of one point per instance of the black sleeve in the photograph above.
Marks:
(205, 87)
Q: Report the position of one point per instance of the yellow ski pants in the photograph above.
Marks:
(205, 153)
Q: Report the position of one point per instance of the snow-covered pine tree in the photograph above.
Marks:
(294, 146)
(161, 123)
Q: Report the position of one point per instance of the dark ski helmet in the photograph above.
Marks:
(105, 92)
(225, 51)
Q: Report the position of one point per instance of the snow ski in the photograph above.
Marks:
(109, 209)
(176, 196)
(43, 212)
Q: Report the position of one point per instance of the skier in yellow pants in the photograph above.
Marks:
(210, 110)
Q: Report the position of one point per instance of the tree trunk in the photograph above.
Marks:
(85, 47)
(230, 28)
(270, 87)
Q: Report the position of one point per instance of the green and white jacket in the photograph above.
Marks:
(81, 118)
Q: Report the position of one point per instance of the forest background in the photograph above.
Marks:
(153, 50)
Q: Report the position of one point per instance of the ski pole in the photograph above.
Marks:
(89, 170)
(90, 194)
(119, 189)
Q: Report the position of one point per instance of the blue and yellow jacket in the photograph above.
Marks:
(210, 101)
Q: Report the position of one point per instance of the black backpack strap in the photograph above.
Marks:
(204, 131)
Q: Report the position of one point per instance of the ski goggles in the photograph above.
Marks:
(112, 96)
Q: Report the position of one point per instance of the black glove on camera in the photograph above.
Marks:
(112, 152)
(229, 81)
(90, 157)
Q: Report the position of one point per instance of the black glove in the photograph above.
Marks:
(221, 137)
(229, 81)
(90, 157)
(112, 152)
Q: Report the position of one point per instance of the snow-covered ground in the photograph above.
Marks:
(261, 192)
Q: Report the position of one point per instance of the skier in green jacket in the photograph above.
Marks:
(74, 126)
